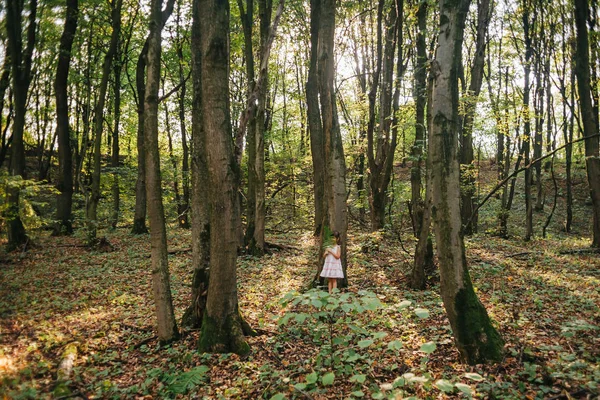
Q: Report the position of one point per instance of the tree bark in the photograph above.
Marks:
(184, 205)
(528, 27)
(94, 195)
(468, 194)
(200, 209)
(315, 125)
(475, 337)
(167, 327)
(222, 329)
(590, 122)
(21, 60)
(114, 157)
(64, 199)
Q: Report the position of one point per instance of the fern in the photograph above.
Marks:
(182, 383)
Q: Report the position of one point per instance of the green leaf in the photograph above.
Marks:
(358, 393)
(422, 312)
(474, 376)
(444, 385)
(300, 318)
(311, 378)
(300, 386)
(328, 378)
(428, 347)
(365, 343)
(359, 378)
(466, 389)
(278, 396)
(395, 345)
(404, 304)
(379, 335)
(316, 303)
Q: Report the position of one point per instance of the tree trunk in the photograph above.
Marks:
(167, 327)
(64, 199)
(590, 123)
(94, 196)
(114, 162)
(420, 94)
(139, 219)
(222, 329)
(315, 125)
(468, 194)
(475, 337)
(194, 314)
(335, 176)
(184, 205)
(528, 27)
(21, 60)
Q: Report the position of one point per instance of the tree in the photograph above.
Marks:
(21, 78)
(93, 198)
(222, 327)
(475, 337)
(590, 122)
(167, 327)
(65, 152)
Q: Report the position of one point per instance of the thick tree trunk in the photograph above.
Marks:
(315, 125)
(468, 186)
(64, 199)
(222, 329)
(21, 60)
(590, 122)
(167, 327)
(475, 337)
(194, 314)
(94, 195)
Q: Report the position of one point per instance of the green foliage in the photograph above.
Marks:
(328, 239)
(186, 381)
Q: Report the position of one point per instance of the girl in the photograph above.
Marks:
(332, 268)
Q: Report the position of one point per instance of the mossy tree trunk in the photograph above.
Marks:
(167, 326)
(222, 329)
(475, 337)
(64, 200)
(21, 60)
(590, 124)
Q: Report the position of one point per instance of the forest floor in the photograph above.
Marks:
(376, 339)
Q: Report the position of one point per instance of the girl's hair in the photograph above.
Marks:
(337, 237)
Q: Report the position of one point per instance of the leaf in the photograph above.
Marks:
(359, 378)
(328, 378)
(311, 378)
(316, 303)
(474, 376)
(365, 343)
(428, 347)
(444, 385)
(422, 312)
(466, 389)
(395, 345)
(180, 384)
(379, 335)
(404, 304)
(278, 396)
(358, 393)
(300, 386)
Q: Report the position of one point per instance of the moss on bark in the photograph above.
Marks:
(225, 336)
(477, 339)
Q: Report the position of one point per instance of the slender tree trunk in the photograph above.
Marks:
(528, 27)
(64, 199)
(94, 197)
(139, 219)
(21, 60)
(115, 153)
(184, 205)
(167, 327)
(222, 329)
(475, 337)
(468, 194)
(590, 123)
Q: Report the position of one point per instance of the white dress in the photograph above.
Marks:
(332, 268)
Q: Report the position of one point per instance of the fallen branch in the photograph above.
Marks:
(280, 246)
(580, 251)
(143, 342)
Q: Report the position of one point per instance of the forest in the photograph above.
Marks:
(178, 179)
